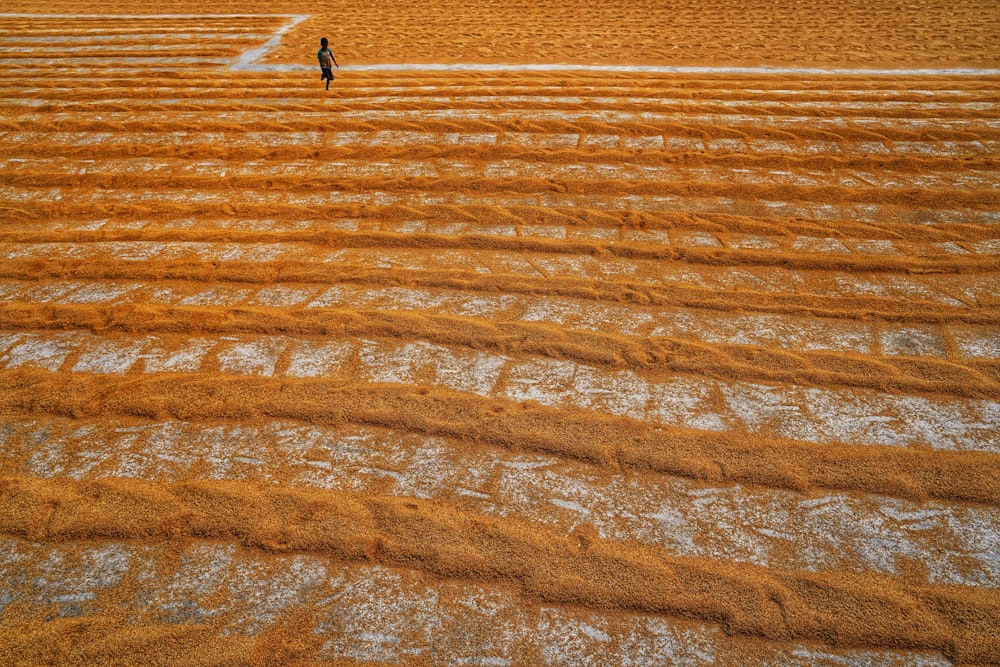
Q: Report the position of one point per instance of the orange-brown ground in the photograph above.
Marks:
(851, 33)
(499, 368)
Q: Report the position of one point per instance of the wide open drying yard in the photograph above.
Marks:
(501, 366)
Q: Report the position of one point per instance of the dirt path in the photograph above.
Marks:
(499, 368)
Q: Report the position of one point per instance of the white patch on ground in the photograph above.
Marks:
(217, 296)
(396, 298)
(96, 293)
(601, 141)
(482, 626)
(32, 293)
(889, 286)
(252, 357)
(406, 227)
(976, 342)
(236, 452)
(621, 393)
(166, 293)
(657, 642)
(483, 306)
(657, 236)
(951, 248)
(642, 143)
(483, 138)
(315, 359)
(265, 596)
(567, 639)
(812, 244)
(604, 234)
(807, 657)
(902, 421)
(6, 341)
(864, 417)
(723, 509)
(776, 331)
(47, 457)
(184, 359)
(912, 341)
(70, 581)
(588, 638)
(770, 410)
(249, 60)
(45, 352)
(426, 470)
(990, 247)
(876, 247)
(384, 363)
(202, 572)
(538, 140)
(728, 146)
(112, 357)
(419, 362)
(378, 617)
(135, 252)
(281, 296)
(751, 242)
(551, 311)
(465, 229)
(154, 451)
(477, 373)
(546, 381)
(968, 425)
(605, 269)
(696, 239)
(544, 231)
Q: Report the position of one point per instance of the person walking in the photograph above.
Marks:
(326, 62)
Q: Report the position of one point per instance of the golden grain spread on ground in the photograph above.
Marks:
(683, 353)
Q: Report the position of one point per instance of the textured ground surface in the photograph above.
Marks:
(837, 33)
(499, 368)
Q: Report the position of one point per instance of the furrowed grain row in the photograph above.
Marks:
(793, 333)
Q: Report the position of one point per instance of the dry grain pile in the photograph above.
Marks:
(494, 368)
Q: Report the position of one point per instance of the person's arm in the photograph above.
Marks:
(333, 57)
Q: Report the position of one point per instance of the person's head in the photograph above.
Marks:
(323, 42)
